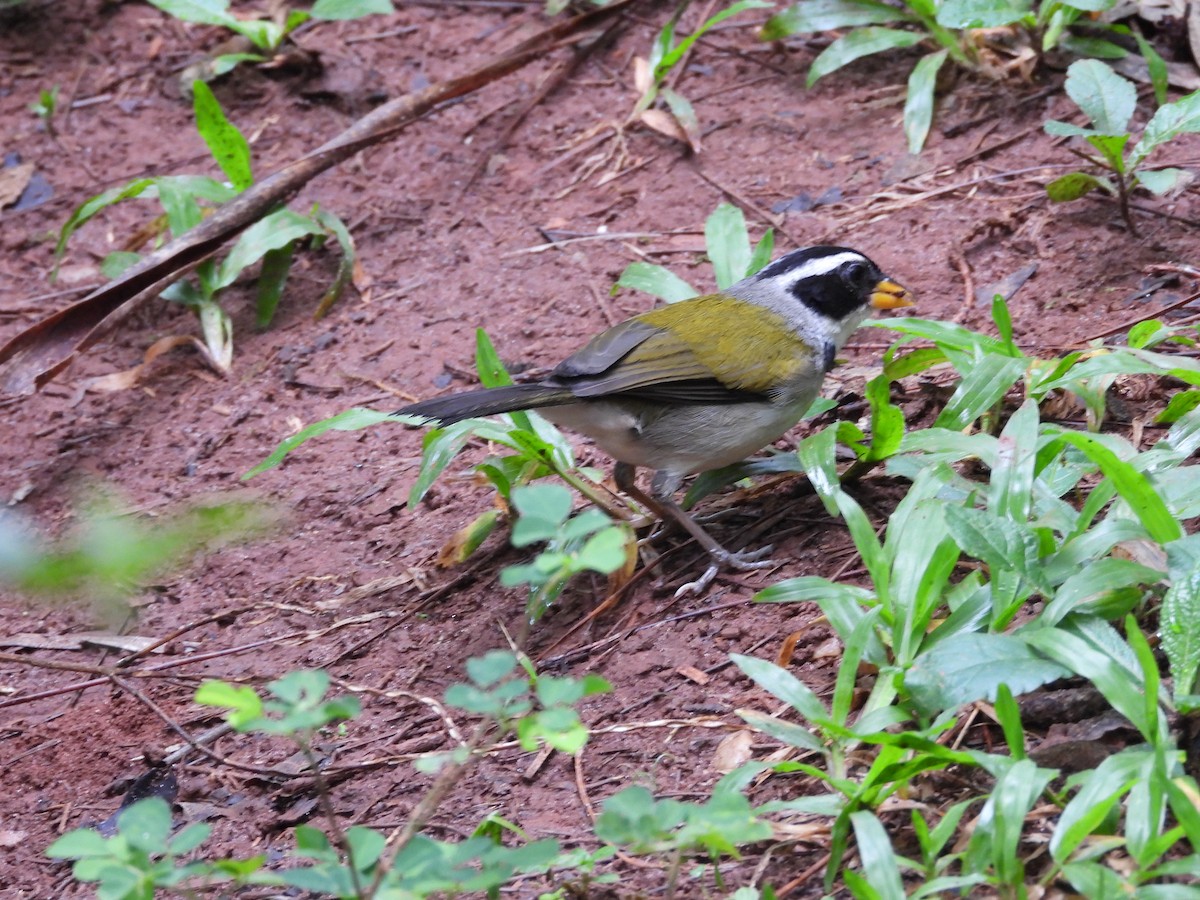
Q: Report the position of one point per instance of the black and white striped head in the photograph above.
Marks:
(824, 293)
(835, 282)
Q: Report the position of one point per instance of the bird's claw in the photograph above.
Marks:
(698, 586)
(743, 559)
(746, 559)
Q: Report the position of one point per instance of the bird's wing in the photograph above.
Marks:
(646, 358)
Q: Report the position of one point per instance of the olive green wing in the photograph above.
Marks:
(646, 358)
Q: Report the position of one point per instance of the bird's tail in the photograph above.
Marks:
(487, 402)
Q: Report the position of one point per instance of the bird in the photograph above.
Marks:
(702, 383)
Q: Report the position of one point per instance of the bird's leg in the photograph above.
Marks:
(660, 502)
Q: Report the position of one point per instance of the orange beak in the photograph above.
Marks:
(890, 295)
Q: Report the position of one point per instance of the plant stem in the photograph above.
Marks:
(1123, 198)
(323, 797)
(445, 782)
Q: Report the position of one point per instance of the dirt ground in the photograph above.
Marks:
(451, 224)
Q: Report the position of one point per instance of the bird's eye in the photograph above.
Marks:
(855, 273)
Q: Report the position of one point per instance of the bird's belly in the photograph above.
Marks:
(679, 440)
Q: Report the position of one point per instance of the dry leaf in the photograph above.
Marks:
(643, 79)
(664, 123)
(693, 674)
(121, 381)
(130, 643)
(732, 752)
(13, 181)
(30, 641)
(1146, 553)
(12, 838)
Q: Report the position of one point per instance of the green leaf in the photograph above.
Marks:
(604, 551)
(670, 55)
(812, 587)
(1091, 5)
(996, 838)
(788, 732)
(1133, 486)
(971, 666)
(1099, 586)
(810, 16)
(1004, 327)
(279, 229)
(918, 105)
(179, 203)
(101, 201)
(1159, 181)
(887, 419)
(146, 824)
(117, 262)
(243, 702)
(1082, 45)
(1075, 185)
(1106, 98)
(782, 685)
(351, 9)
(728, 244)
(204, 12)
(762, 253)
(271, 281)
(656, 280)
(1098, 794)
(262, 33)
(982, 386)
(1011, 488)
(1077, 646)
(982, 13)
(1008, 714)
(1156, 66)
(81, 843)
(491, 369)
(350, 420)
(1066, 129)
(1180, 404)
(880, 866)
(227, 145)
(1112, 148)
(295, 18)
(857, 44)
(227, 62)
(542, 508)
(189, 838)
(490, 668)
(1179, 620)
(341, 234)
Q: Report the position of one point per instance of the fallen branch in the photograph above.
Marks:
(46, 348)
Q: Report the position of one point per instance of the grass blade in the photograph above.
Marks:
(918, 105)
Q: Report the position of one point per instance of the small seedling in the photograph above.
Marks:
(1108, 100)
(264, 34)
(953, 27)
(729, 250)
(272, 240)
(45, 106)
(665, 54)
(111, 554)
(143, 857)
(574, 544)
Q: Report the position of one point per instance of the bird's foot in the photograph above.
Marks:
(743, 560)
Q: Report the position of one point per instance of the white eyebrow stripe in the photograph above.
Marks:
(822, 265)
